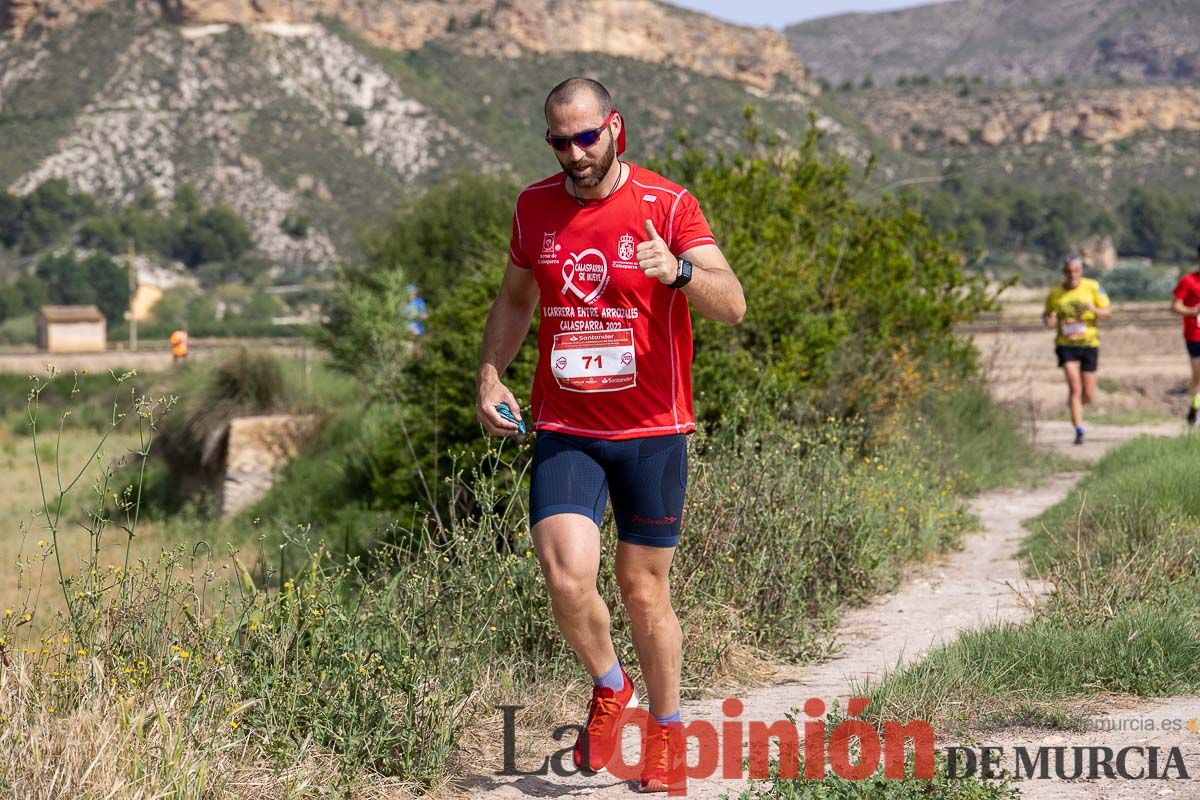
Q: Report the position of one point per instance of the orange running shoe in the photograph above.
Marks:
(666, 759)
(600, 735)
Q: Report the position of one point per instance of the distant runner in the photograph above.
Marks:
(179, 344)
(1074, 308)
(614, 254)
(1187, 305)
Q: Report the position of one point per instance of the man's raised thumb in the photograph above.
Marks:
(650, 232)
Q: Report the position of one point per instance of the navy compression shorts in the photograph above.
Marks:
(646, 478)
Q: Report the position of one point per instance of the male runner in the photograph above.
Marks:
(1187, 305)
(1074, 307)
(615, 254)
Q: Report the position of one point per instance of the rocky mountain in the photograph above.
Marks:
(917, 118)
(1104, 140)
(1009, 41)
(631, 28)
(339, 109)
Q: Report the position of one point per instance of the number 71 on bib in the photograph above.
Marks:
(594, 361)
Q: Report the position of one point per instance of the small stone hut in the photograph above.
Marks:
(71, 329)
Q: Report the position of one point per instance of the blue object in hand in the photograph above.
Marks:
(506, 412)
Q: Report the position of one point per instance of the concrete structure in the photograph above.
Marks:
(71, 329)
(256, 449)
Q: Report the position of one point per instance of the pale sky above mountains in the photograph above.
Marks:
(778, 13)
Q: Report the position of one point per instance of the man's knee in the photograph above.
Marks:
(644, 595)
(567, 589)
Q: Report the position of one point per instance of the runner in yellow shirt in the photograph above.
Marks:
(1073, 308)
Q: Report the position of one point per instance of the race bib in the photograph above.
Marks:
(594, 361)
(1074, 330)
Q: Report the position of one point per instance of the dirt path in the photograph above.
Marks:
(1125, 723)
(981, 583)
(1143, 371)
(1059, 436)
(153, 356)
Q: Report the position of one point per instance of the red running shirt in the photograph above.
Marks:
(1188, 290)
(614, 346)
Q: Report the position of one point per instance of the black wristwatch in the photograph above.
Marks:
(685, 275)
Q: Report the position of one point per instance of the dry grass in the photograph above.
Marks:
(168, 744)
(21, 508)
(24, 526)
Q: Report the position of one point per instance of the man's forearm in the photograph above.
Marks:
(506, 327)
(716, 294)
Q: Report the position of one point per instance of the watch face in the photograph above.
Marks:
(683, 275)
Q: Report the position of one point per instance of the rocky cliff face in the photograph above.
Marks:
(1018, 41)
(917, 120)
(16, 15)
(641, 29)
(648, 31)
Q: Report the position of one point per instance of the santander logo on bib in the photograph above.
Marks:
(585, 275)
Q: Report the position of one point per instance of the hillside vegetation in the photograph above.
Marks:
(360, 624)
(330, 117)
(326, 120)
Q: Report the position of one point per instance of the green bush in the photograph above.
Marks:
(295, 225)
(97, 279)
(214, 241)
(850, 308)
(217, 234)
(1130, 281)
(1002, 217)
(1159, 225)
(451, 245)
(437, 239)
(846, 303)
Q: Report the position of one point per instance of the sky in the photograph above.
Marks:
(778, 13)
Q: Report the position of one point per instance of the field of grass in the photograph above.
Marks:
(1122, 552)
(336, 667)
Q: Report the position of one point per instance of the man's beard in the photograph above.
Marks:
(599, 168)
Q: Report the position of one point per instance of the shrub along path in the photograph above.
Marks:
(981, 583)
